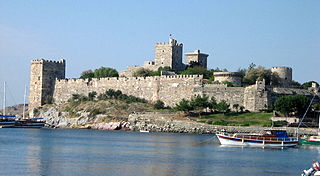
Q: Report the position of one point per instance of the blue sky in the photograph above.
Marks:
(91, 34)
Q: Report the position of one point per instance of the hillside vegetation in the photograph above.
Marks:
(238, 119)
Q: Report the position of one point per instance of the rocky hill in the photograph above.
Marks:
(15, 110)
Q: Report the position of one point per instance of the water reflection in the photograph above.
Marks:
(89, 152)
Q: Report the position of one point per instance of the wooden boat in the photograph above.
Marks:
(30, 123)
(267, 138)
(310, 140)
(7, 121)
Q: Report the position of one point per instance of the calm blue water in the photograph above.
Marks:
(89, 152)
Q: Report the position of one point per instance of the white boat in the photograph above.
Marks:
(268, 138)
(313, 171)
(144, 131)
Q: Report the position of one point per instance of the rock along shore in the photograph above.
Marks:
(149, 121)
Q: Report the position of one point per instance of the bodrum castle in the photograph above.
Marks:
(48, 80)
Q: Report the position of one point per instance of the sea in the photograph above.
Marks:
(76, 152)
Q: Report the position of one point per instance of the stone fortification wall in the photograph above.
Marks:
(233, 95)
(276, 92)
(256, 97)
(42, 79)
(169, 89)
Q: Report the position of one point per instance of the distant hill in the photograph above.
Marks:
(15, 110)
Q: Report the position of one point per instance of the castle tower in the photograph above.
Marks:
(285, 74)
(233, 77)
(196, 58)
(169, 54)
(43, 74)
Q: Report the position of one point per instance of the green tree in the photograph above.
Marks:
(228, 83)
(308, 84)
(295, 83)
(159, 104)
(143, 72)
(259, 73)
(292, 104)
(236, 107)
(87, 74)
(241, 108)
(223, 106)
(184, 105)
(105, 72)
(212, 103)
(199, 102)
(197, 71)
(92, 95)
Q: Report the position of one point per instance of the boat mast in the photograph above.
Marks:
(24, 101)
(4, 98)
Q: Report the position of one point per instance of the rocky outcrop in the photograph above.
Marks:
(169, 122)
(54, 118)
(147, 121)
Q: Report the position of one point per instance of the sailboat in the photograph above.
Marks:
(6, 121)
(310, 140)
(28, 122)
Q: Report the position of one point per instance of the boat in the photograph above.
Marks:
(7, 121)
(144, 131)
(313, 171)
(267, 138)
(30, 123)
(310, 140)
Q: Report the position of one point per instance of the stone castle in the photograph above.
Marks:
(47, 81)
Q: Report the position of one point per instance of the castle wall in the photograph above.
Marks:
(256, 97)
(232, 95)
(169, 89)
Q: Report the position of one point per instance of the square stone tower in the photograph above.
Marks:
(196, 58)
(43, 75)
(169, 54)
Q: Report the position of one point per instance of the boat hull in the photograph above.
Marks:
(228, 140)
(307, 142)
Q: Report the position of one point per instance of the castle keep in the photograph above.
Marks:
(48, 82)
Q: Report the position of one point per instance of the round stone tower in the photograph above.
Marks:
(285, 74)
(233, 77)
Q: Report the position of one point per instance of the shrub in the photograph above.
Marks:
(159, 104)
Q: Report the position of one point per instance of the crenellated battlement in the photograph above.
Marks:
(281, 68)
(37, 61)
(130, 79)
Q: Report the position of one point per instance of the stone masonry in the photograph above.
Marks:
(47, 82)
(169, 54)
(43, 77)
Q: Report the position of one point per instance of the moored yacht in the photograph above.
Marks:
(267, 138)
(7, 121)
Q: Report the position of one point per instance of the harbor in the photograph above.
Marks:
(95, 152)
